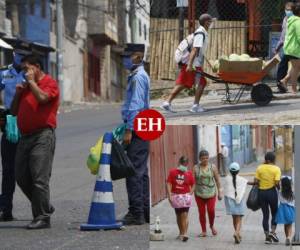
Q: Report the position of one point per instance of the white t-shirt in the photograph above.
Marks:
(202, 45)
(225, 151)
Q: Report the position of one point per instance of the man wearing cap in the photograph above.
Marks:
(190, 73)
(137, 99)
(10, 76)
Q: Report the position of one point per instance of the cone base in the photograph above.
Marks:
(86, 227)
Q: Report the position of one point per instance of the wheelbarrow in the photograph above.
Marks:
(261, 93)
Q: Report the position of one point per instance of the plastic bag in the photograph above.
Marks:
(94, 157)
(11, 129)
(119, 132)
(121, 166)
(252, 201)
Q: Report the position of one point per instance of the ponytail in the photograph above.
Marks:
(234, 174)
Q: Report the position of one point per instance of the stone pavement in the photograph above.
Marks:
(252, 232)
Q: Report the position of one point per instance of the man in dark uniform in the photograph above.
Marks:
(10, 76)
(137, 99)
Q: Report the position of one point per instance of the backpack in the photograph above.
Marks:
(184, 48)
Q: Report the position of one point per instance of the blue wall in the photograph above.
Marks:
(242, 144)
(226, 135)
(35, 28)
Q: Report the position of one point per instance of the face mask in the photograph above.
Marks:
(289, 13)
(127, 63)
(182, 168)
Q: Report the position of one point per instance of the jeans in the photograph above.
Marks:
(268, 200)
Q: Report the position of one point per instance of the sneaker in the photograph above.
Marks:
(196, 108)
(167, 107)
(274, 237)
(268, 240)
(287, 242)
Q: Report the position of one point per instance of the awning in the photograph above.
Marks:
(5, 45)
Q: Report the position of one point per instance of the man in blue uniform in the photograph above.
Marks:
(10, 76)
(137, 99)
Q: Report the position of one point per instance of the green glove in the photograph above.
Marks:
(11, 129)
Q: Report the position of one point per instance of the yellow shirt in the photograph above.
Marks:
(267, 175)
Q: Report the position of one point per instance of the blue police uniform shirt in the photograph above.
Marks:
(9, 78)
(137, 95)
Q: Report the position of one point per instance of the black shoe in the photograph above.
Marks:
(6, 216)
(39, 224)
(128, 216)
(282, 89)
(52, 209)
(274, 237)
(132, 220)
(268, 240)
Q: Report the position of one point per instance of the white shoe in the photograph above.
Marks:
(196, 108)
(167, 107)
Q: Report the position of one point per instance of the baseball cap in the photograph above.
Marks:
(234, 166)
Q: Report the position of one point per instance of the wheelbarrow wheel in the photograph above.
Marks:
(261, 94)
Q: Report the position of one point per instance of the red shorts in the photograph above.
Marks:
(187, 79)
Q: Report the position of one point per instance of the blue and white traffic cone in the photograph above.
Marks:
(102, 211)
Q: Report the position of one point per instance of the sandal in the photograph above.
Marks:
(236, 239)
(185, 238)
(202, 235)
(213, 231)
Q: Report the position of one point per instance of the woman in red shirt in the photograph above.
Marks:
(180, 186)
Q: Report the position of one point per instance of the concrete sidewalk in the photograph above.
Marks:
(252, 232)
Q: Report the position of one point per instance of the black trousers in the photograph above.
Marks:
(8, 153)
(282, 68)
(268, 200)
(138, 185)
(33, 170)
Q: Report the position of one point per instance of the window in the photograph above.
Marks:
(145, 32)
(31, 7)
(43, 9)
(140, 27)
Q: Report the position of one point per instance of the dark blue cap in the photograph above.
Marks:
(131, 48)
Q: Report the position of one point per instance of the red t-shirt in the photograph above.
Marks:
(32, 115)
(181, 181)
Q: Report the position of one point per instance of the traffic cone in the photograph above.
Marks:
(102, 211)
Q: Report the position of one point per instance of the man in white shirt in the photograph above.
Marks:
(225, 154)
(190, 72)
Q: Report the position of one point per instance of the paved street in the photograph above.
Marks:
(283, 109)
(72, 186)
(252, 232)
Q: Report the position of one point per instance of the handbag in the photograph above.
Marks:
(121, 166)
(181, 200)
(252, 201)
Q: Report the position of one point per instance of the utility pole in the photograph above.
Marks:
(59, 46)
(181, 4)
(296, 240)
(132, 20)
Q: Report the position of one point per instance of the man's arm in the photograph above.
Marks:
(40, 95)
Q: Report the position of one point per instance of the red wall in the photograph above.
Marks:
(165, 153)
